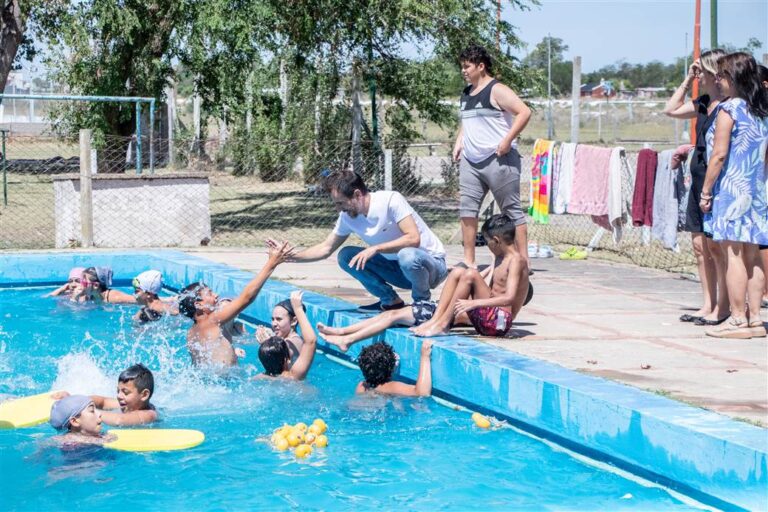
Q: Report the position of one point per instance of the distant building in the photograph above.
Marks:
(604, 89)
(651, 92)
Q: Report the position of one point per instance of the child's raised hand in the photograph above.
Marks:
(263, 334)
(296, 297)
(58, 395)
(281, 252)
(240, 352)
(426, 348)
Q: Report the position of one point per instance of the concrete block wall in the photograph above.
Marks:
(135, 211)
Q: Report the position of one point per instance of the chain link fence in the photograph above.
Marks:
(268, 190)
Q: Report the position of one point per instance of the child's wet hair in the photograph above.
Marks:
(141, 376)
(272, 354)
(377, 362)
(188, 297)
(91, 275)
(499, 225)
(286, 305)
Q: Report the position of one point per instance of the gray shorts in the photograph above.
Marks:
(500, 175)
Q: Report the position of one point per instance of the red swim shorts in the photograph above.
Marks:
(491, 321)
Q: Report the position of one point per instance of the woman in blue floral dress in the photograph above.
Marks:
(734, 196)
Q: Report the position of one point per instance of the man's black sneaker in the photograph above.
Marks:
(391, 307)
(377, 307)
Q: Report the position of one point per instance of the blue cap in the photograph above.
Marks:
(67, 408)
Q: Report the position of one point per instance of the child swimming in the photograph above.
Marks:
(135, 387)
(378, 362)
(77, 415)
(206, 341)
(147, 287)
(275, 352)
(95, 286)
(284, 322)
(73, 281)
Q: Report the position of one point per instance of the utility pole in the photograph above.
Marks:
(550, 127)
(713, 24)
(575, 99)
(696, 55)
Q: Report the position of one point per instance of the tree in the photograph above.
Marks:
(15, 43)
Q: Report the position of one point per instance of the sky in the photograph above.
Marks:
(605, 31)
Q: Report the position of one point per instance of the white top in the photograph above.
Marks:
(385, 210)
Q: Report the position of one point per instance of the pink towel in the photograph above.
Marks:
(589, 195)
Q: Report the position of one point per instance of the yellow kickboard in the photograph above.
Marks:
(26, 411)
(154, 439)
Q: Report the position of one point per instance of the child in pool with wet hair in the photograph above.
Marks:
(146, 289)
(135, 387)
(275, 352)
(284, 322)
(378, 362)
(77, 415)
(95, 285)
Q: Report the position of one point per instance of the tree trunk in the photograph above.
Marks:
(11, 35)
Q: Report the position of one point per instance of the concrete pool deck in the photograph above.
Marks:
(604, 319)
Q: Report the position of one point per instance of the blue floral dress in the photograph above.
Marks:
(740, 205)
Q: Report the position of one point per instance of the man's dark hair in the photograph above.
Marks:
(477, 54)
(272, 354)
(345, 182)
(141, 376)
(499, 225)
(187, 299)
(377, 362)
(762, 71)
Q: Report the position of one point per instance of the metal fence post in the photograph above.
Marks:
(387, 169)
(152, 137)
(5, 177)
(575, 98)
(138, 137)
(86, 191)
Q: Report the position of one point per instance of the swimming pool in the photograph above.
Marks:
(701, 453)
(384, 454)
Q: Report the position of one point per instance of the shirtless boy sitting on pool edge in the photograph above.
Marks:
(466, 295)
(205, 340)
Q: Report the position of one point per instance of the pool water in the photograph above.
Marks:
(384, 454)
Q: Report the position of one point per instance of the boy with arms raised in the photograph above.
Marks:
(275, 353)
(378, 362)
(490, 309)
(146, 288)
(206, 340)
(135, 386)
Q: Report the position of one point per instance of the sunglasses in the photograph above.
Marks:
(88, 283)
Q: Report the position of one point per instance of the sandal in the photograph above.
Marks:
(690, 318)
(734, 328)
(758, 329)
(703, 321)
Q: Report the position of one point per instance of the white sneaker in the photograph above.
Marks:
(533, 250)
(545, 251)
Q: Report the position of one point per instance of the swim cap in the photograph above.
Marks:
(150, 281)
(76, 273)
(67, 408)
(104, 274)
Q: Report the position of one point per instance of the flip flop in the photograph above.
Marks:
(690, 318)
(573, 254)
(703, 321)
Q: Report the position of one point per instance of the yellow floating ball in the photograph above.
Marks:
(321, 425)
(301, 426)
(311, 437)
(314, 429)
(282, 444)
(293, 439)
(321, 441)
(480, 420)
(276, 437)
(302, 450)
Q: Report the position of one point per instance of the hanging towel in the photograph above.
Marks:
(665, 205)
(562, 197)
(540, 181)
(681, 162)
(618, 194)
(554, 173)
(589, 195)
(642, 198)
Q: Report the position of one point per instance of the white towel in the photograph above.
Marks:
(665, 204)
(618, 193)
(565, 179)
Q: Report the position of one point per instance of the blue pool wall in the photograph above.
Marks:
(703, 454)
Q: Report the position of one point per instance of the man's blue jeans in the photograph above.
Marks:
(414, 269)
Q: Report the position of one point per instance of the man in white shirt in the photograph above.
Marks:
(402, 251)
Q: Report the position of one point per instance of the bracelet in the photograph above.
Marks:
(706, 196)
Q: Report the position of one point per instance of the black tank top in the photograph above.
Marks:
(483, 98)
(703, 122)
